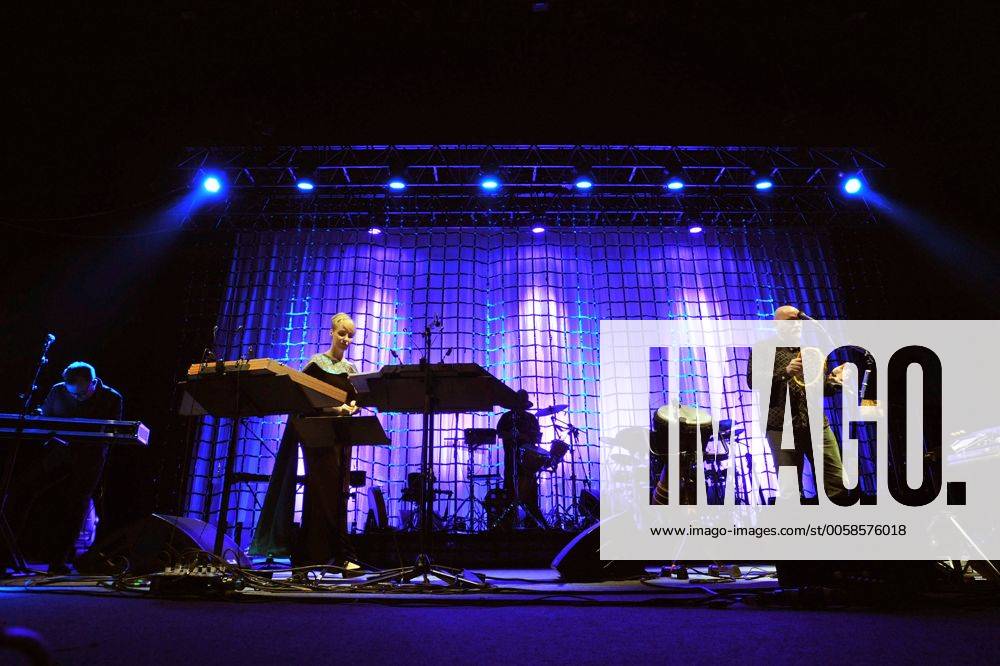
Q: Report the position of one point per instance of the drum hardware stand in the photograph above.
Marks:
(472, 477)
(574, 436)
(482, 523)
(9, 538)
(518, 503)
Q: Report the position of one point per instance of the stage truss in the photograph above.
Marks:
(536, 186)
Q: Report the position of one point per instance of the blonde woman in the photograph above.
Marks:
(323, 538)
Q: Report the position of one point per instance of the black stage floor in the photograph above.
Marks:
(526, 616)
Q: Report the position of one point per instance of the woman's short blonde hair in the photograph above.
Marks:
(339, 318)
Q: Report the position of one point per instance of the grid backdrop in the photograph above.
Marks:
(525, 306)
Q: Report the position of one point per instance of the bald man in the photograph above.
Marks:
(788, 366)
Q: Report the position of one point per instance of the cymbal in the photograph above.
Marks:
(549, 411)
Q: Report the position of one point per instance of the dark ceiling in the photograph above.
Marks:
(104, 98)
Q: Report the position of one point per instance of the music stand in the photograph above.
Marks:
(430, 389)
(240, 389)
(320, 431)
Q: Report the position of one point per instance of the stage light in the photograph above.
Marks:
(764, 184)
(305, 185)
(583, 178)
(538, 230)
(398, 171)
(211, 184)
(694, 229)
(852, 185)
(673, 172)
(374, 231)
(489, 183)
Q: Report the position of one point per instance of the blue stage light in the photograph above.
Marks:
(675, 184)
(694, 230)
(852, 185)
(305, 185)
(583, 183)
(489, 183)
(538, 230)
(374, 231)
(211, 184)
(764, 184)
(397, 184)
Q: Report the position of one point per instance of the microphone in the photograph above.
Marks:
(49, 339)
(239, 342)
(803, 315)
(208, 355)
(395, 355)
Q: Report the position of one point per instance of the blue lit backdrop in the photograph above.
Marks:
(524, 305)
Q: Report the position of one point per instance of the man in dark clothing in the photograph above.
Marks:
(519, 430)
(787, 376)
(82, 395)
(69, 473)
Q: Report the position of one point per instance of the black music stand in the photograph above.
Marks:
(235, 392)
(430, 389)
(319, 431)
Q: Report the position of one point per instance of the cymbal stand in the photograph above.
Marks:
(574, 436)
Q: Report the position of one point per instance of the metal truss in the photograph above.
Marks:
(537, 184)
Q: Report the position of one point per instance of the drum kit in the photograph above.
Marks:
(536, 458)
(532, 458)
(500, 507)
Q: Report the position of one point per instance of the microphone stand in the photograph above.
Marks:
(869, 359)
(10, 539)
(424, 566)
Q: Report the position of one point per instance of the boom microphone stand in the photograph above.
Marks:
(10, 540)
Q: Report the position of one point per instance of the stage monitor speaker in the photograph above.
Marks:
(590, 505)
(581, 560)
(154, 543)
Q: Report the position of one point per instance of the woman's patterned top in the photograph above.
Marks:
(327, 364)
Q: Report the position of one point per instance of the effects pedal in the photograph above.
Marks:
(198, 580)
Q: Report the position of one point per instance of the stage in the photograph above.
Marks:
(534, 619)
(444, 332)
